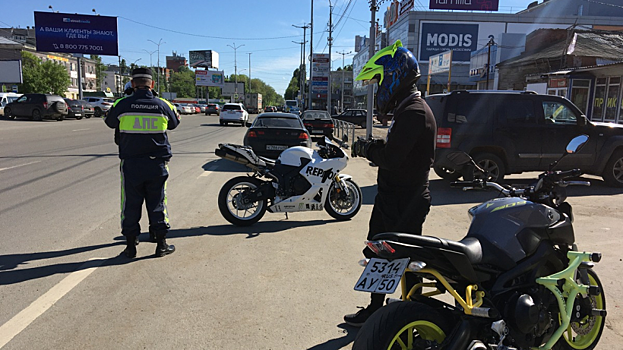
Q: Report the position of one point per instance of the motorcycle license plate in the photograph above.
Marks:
(381, 276)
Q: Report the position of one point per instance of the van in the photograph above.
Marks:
(6, 98)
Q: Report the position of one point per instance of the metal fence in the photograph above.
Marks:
(344, 131)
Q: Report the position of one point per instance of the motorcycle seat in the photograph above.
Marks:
(468, 246)
(269, 162)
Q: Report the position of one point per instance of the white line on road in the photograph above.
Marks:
(81, 129)
(17, 166)
(208, 171)
(20, 321)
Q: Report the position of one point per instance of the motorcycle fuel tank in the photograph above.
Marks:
(501, 221)
(292, 156)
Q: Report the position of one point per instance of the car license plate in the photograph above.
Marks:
(276, 147)
(381, 276)
(316, 131)
(78, 115)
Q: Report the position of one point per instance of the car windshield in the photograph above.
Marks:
(277, 123)
(316, 115)
(232, 108)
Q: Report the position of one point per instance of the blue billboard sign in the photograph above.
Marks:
(436, 38)
(469, 5)
(72, 33)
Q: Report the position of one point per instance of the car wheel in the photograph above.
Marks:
(36, 114)
(98, 112)
(60, 118)
(78, 118)
(363, 124)
(8, 113)
(492, 165)
(87, 116)
(613, 173)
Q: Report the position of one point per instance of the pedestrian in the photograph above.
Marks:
(404, 158)
(142, 120)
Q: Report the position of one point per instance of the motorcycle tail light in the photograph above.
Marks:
(364, 262)
(380, 246)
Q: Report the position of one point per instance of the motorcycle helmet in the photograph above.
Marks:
(394, 68)
(128, 89)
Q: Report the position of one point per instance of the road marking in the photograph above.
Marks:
(81, 129)
(25, 317)
(17, 166)
(208, 171)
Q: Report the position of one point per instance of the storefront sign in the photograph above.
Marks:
(470, 5)
(436, 38)
(440, 63)
(73, 33)
(557, 82)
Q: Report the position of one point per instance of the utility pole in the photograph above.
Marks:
(235, 69)
(158, 76)
(249, 53)
(373, 9)
(303, 59)
(329, 39)
(311, 54)
(491, 42)
(301, 84)
(343, 53)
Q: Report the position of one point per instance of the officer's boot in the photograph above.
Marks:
(162, 248)
(130, 246)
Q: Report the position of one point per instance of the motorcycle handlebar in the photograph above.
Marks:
(561, 175)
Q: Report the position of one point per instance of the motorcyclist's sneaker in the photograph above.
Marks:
(359, 318)
(163, 248)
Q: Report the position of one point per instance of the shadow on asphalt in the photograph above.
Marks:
(277, 224)
(10, 275)
(225, 165)
(337, 343)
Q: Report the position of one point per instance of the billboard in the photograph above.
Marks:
(320, 78)
(439, 37)
(11, 72)
(229, 89)
(470, 5)
(73, 33)
(209, 78)
(204, 58)
(440, 63)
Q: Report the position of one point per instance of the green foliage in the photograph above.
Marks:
(293, 88)
(46, 77)
(182, 82)
(99, 71)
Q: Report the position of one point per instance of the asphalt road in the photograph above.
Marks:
(280, 284)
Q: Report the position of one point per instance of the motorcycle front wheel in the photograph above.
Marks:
(404, 325)
(232, 204)
(342, 206)
(584, 333)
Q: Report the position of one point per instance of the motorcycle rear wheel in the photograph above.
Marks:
(231, 206)
(585, 334)
(404, 325)
(340, 206)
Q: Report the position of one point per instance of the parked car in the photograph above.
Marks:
(74, 109)
(511, 132)
(202, 107)
(271, 133)
(213, 108)
(88, 109)
(37, 107)
(318, 123)
(100, 104)
(6, 98)
(355, 116)
(184, 109)
(233, 113)
(196, 108)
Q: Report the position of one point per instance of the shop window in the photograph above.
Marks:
(600, 100)
(612, 99)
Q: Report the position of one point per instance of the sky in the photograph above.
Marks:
(262, 31)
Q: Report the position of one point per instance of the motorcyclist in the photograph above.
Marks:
(404, 158)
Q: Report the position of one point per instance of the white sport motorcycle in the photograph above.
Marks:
(301, 179)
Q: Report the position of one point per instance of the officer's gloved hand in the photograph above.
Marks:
(360, 148)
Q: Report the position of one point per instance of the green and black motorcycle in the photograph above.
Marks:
(518, 279)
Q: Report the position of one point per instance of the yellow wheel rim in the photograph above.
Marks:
(426, 330)
(583, 341)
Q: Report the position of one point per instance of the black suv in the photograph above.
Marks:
(509, 132)
(37, 107)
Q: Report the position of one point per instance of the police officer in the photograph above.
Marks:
(404, 158)
(142, 120)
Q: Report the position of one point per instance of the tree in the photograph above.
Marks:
(46, 77)
(99, 71)
(182, 82)
(293, 87)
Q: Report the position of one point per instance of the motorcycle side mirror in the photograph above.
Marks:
(576, 144)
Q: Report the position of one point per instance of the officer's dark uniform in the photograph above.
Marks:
(142, 120)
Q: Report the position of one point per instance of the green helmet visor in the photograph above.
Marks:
(372, 72)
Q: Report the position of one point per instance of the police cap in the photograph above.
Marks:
(144, 73)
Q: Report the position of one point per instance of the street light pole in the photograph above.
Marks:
(343, 53)
(373, 9)
(150, 53)
(311, 54)
(330, 40)
(158, 44)
(235, 68)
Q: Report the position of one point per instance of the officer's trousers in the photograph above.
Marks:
(144, 180)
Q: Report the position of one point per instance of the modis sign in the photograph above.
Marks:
(471, 5)
(436, 38)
